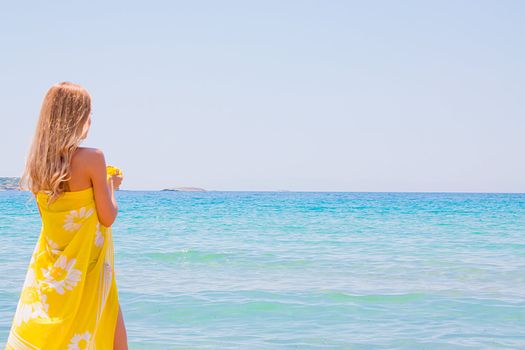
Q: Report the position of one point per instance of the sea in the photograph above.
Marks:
(303, 270)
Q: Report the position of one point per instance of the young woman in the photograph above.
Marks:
(69, 299)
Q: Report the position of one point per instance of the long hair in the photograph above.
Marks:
(59, 130)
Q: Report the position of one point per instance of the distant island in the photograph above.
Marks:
(184, 189)
(9, 183)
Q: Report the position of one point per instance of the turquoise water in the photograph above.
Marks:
(289, 270)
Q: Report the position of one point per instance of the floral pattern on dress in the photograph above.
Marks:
(99, 236)
(55, 248)
(74, 219)
(62, 275)
(69, 291)
(32, 303)
(80, 341)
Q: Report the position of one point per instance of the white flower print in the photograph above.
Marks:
(55, 248)
(62, 275)
(99, 237)
(79, 341)
(32, 303)
(74, 219)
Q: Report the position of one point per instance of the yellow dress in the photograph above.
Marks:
(69, 299)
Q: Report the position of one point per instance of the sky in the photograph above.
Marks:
(279, 95)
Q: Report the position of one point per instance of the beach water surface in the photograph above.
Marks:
(303, 270)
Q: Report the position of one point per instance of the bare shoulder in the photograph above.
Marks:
(86, 163)
(83, 154)
(88, 157)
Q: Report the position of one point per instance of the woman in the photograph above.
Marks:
(69, 299)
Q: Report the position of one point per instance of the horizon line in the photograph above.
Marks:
(320, 191)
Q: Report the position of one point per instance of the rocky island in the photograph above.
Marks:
(184, 189)
(9, 183)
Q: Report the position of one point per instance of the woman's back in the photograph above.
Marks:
(79, 173)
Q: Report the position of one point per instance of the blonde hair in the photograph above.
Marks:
(59, 130)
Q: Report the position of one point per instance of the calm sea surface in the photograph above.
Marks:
(291, 270)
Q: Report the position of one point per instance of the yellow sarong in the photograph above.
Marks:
(69, 299)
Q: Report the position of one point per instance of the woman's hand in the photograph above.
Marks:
(116, 180)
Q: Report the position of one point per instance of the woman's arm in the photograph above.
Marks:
(104, 192)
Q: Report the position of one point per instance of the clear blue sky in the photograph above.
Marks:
(271, 95)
